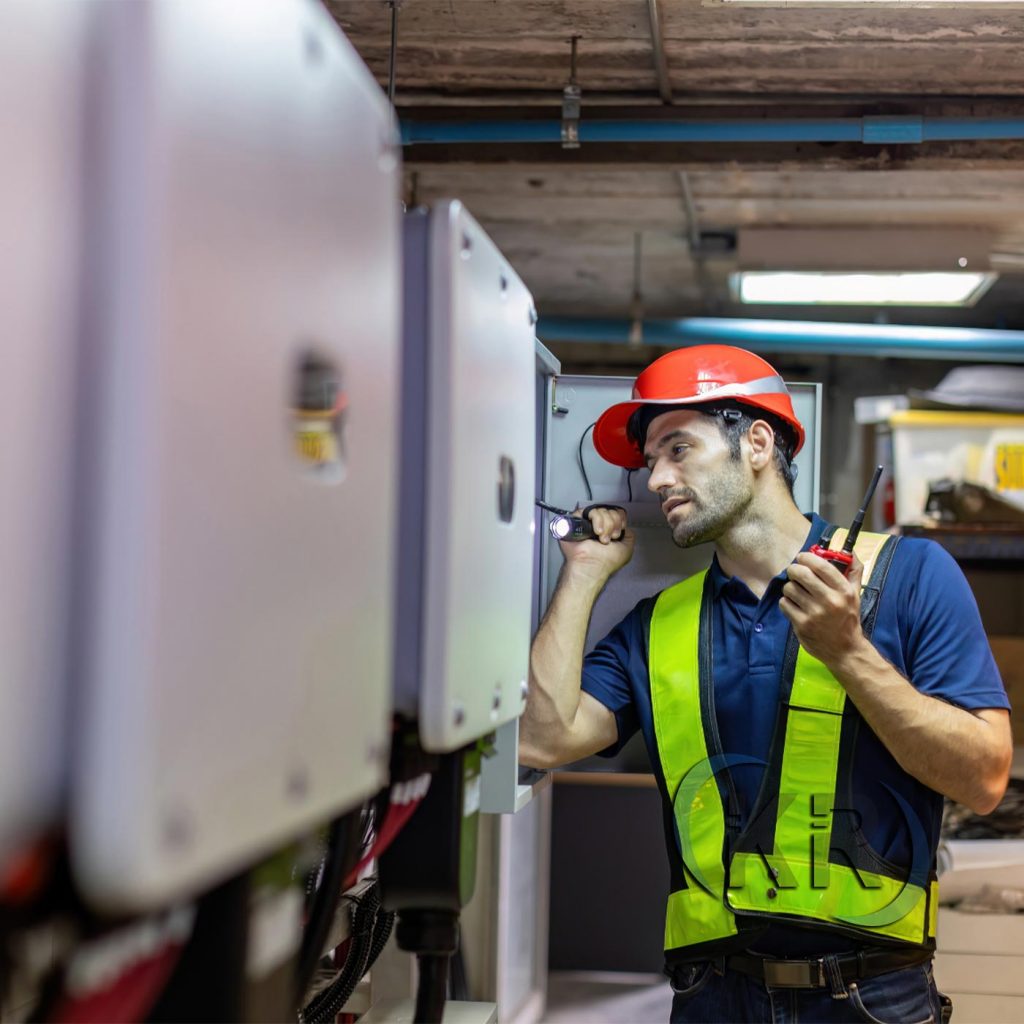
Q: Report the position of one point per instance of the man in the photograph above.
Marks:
(802, 725)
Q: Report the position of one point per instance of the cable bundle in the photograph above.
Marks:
(371, 928)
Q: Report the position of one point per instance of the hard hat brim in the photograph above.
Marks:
(613, 444)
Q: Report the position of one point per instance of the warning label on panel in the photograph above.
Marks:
(1009, 462)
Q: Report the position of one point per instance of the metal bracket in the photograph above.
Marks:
(556, 409)
(571, 96)
(571, 117)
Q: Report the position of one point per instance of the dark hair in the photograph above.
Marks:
(735, 420)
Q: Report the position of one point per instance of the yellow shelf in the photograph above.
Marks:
(937, 418)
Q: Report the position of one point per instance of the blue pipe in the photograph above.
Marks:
(962, 343)
(876, 131)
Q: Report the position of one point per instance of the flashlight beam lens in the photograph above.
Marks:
(561, 527)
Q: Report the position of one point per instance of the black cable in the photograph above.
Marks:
(433, 984)
(321, 1006)
(371, 928)
(629, 482)
(458, 983)
(342, 855)
(583, 469)
(551, 508)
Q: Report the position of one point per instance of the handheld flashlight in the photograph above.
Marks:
(565, 526)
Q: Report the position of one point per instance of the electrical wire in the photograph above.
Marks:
(342, 850)
(371, 928)
(128, 999)
(629, 482)
(583, 468)
(432, 987)
(394, 821)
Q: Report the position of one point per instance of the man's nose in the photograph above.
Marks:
(661, 476)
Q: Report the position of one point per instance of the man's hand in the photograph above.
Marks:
(962, 754)
(607, 553)
(824, 607)
(561, 724)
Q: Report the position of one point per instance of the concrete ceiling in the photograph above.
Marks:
(569, 219)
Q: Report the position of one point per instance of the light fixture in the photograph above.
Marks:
(864, 3)
(959, 288)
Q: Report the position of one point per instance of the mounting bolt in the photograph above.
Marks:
(297, 784)
(312, 46)
(177, 830)
(459, 715)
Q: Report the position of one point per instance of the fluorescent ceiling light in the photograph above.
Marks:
(865, 3)
(838, 289)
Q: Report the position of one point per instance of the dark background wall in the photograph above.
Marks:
(609, 878)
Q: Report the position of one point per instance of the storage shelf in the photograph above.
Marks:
(990, 544)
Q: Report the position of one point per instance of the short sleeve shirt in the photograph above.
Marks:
(927, 626)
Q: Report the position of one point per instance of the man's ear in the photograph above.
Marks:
(762, 444)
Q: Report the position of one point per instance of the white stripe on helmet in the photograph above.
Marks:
(773, 385)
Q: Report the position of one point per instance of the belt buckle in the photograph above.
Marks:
(794, 973)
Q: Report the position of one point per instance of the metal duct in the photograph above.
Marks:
(877, 340)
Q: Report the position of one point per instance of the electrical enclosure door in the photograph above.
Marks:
(245, 356)
(41, 48)
(470, 330)
(576, 404)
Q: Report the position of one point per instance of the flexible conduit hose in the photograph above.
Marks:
(343, 846)
(371, 929)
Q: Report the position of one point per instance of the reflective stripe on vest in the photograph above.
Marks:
(803, 882)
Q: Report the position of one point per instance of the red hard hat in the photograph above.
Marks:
(692, 376)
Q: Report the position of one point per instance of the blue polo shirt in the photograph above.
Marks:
(927, 626)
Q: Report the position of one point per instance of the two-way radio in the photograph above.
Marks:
(843, 559)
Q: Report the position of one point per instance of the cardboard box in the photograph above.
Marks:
(1009, 654)
(984, 448)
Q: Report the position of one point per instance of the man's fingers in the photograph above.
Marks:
(821, 567)
(807, 578)
(792, 611)
(608, 524)
(856, 575)
(797, 595)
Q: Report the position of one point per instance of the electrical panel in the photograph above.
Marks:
(243, 355)
(41, 70)
(572, 464)
(468, 436)
(507, 787)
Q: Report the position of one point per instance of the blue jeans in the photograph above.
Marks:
(904, 996)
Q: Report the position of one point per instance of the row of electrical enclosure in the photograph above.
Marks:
(275, 448)
(250, 509)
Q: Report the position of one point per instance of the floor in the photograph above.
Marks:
(598, 997)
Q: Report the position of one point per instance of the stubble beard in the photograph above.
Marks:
(729, 495)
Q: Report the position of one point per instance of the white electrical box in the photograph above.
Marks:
(41, 48)
(505, 786)
(467, 482)
(243, 354)
(572, 465)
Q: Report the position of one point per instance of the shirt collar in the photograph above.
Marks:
(817, 528)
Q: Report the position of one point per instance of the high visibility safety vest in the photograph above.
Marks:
(801, 856)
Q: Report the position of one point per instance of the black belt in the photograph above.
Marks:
(866, 963)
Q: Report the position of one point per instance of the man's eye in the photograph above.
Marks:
(678, 449)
